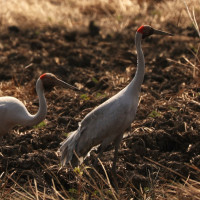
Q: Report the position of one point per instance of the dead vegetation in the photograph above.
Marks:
(76, 14)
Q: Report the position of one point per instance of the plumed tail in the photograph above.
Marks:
(68, 147)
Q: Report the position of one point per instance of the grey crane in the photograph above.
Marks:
(107, 123)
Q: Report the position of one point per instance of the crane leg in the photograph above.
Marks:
(1, 144)
(100, 153)
(117, 143)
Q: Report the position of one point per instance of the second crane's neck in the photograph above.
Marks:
(41, 114)
(139, 75)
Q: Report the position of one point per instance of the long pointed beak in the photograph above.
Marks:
(158, 32)
(65, 85)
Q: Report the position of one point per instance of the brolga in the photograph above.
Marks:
(13, 112)
(107, 123)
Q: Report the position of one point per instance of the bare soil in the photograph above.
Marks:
(163, 144)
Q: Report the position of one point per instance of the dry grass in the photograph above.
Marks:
(188, 190)
(86, 181)
(90, 184)
(112, 14)
(192, 15)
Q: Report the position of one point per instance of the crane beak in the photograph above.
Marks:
(65, 85)
(158, 32)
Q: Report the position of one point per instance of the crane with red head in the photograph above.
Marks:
(107, 123)
(13, 112)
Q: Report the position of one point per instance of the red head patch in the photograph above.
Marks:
(141, 29)
(42, 76)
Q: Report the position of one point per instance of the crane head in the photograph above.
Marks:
(49, 80)
(147, 30)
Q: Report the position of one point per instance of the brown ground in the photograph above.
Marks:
(164, 142)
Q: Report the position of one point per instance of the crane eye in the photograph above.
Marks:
(147, 32)
(48, 85)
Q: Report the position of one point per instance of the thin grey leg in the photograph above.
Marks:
(117, 144)
(101, 150)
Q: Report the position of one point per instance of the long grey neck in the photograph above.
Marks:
(41, 114)
(139, 75)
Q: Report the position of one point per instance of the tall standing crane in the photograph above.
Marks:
(13, 112)
(107, 123)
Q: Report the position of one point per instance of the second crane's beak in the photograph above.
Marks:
(65, 85)
(158, 32)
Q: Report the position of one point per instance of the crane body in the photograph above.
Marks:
(113, 115)
(107, 123)
(13, 112)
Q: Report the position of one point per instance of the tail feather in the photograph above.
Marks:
(68, 146)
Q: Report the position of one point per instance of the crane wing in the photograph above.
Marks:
(101, 126)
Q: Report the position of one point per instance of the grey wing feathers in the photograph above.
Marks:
(68, 146)
(93, 129)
